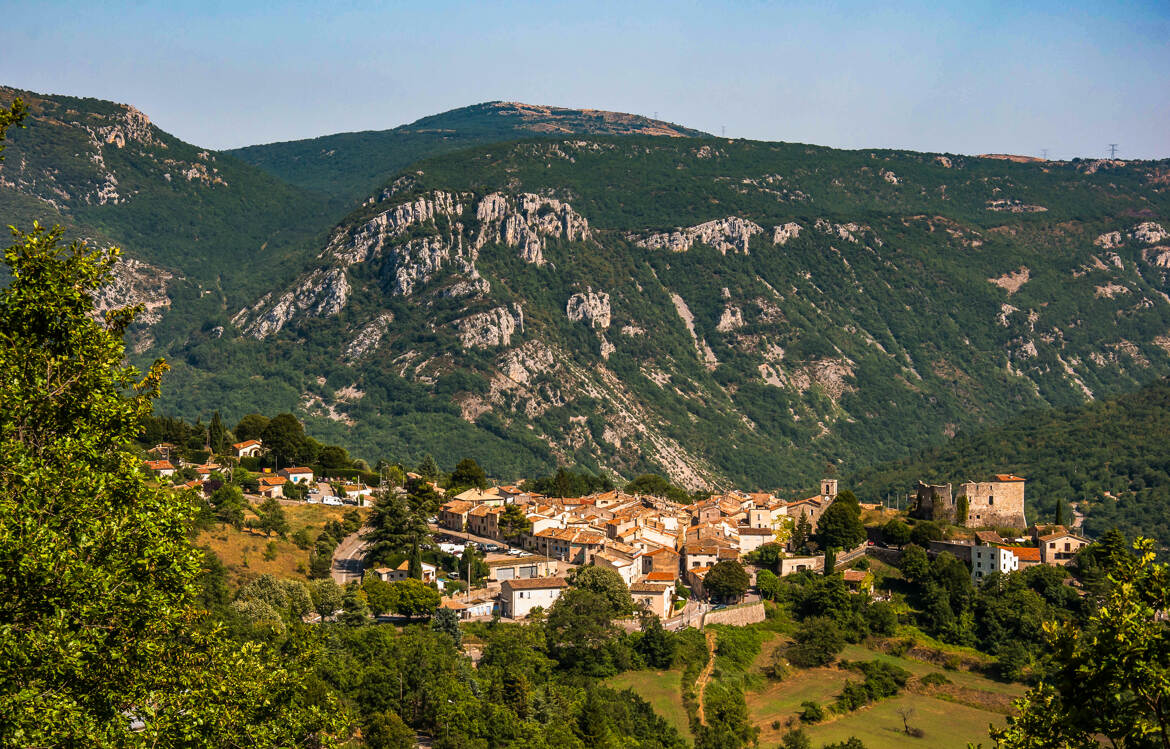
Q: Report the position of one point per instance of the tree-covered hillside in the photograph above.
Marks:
(349, 166)
(1108, 457)
(721, 311)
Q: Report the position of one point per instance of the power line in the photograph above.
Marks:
(1112, 150)
(1044, 153)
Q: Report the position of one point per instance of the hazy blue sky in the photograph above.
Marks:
(967, 77)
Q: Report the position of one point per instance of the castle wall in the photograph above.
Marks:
(994, 503)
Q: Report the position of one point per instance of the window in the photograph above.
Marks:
(991, 500)
(1067, 546)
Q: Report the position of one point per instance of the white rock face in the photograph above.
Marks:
(889, 176)
(781, 234)
(731, 234)
(731, 319)
(1108, 240)
(1149, 233)
(848, 231)
(358, 245)
(492, 328)
(418, 261)
(1158, 256)
(368, 338)
(525, 221)
(322, 293)
(135, 282)
(590, 306)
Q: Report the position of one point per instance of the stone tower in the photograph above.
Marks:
(828, 488)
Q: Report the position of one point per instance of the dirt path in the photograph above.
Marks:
(701, 682)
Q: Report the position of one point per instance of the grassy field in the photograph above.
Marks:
(950, 716)
(662, 689)
(244, 552)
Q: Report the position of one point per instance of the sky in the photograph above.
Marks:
(957, 77)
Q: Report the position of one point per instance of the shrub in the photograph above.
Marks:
(811, 712)
(935, 678)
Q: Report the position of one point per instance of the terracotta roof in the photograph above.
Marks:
(159, 465)
(450, 603)
(657, 577)
(746, 531)
(662, 550)
(457, 506)
(297, 469)
(989, 537)
(1007, 477)
(247, 443)
(536, 583)
(1024, 553)
(853, 576)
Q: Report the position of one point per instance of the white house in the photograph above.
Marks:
(298, 475)
(988, 559)
(163, 468)
(248, 448)
(518, 597)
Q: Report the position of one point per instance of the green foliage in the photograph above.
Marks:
(606, 583)
(727, 580)
(251, 427)
(467, 474)
(658, 486)
(840, 526)
(398, 528)
(1109, 677)
(98, 581)
(882, 679)
(656, 646)
(817, 643)
(1098, 455)
(811, 712)
(565, 483)
(447, 622)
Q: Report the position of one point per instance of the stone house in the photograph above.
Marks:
(519, 597)
(297, 475)
(453, 515)
(1060, 547)
(506, 567)
(656, 597)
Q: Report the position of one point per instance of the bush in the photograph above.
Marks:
(935, 678)
(811, 712)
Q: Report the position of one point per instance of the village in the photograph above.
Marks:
(662, 550)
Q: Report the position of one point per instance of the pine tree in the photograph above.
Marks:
(217, 435)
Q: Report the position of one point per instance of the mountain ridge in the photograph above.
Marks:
(349, 165)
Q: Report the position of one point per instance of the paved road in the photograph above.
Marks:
(438, 530)
(691, 616)
(347, 558)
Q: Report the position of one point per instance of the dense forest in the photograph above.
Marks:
(1108, 458)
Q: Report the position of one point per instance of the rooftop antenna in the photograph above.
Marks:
(723, 129)
(1044, 153)
(1112, 150)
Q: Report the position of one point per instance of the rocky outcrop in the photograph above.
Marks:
(525, 221)
(849, 232)
(322, 293)
(1149, 232)
(781, 234)
(135, 283)
(731, 319)
(731, 234)
(359, 244)
(590, 306)
(1008, 205)
(367, 338)
(420, 260)
(1011, 282)
(492, 328)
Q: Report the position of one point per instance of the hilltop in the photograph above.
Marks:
(348, 166)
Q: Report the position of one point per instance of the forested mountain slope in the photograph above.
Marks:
(1109, 457)
(722, 311)
(348, 166)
